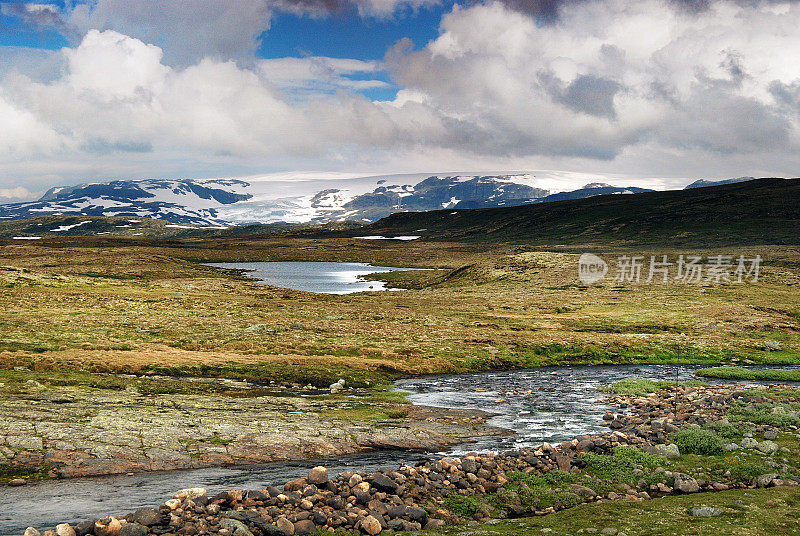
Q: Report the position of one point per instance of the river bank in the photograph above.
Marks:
(678, 441)
(77, 431)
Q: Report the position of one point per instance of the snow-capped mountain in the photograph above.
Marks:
(216, 202)
(702, 183)
(177, 201)
(592, 189)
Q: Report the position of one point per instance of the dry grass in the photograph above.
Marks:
(124, 305)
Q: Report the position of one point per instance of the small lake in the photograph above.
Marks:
(319, 277)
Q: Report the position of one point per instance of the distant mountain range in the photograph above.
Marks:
(222, 202)
(737, 213)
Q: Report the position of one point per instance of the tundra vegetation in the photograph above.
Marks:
(84, 318)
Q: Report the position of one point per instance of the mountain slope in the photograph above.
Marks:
(175, 201)
(763, 211)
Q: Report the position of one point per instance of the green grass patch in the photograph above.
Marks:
(619, 466)
(640, 387)
(762, 413)
(741, 373)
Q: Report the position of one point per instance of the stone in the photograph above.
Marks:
(295, 485)
(705, 511)
(773, 346)
(355, 480)
(383, 483)
(767, 447)
(434, 524)
(84, 527)
(668, 451)
(147, 517)
(193, 494)
(31, 531)
(306, 526)
(583, 491)
(65, 529)
(15, 482)
(236, 527)
(318, 475)
(748, 443)
(763, 481)
(685, 483)
(133, 529)
(108, 526)
(771, 434)
(285, 525)
(371, 525)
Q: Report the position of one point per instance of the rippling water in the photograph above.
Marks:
(547, 404)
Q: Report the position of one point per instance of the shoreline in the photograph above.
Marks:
(523, 482)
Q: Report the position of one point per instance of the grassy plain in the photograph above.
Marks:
(114, 305)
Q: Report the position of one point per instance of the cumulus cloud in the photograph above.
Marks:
(641, 88)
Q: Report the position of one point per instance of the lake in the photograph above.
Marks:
(319, 277)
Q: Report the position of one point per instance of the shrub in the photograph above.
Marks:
(727, 430)
(698, 441)
(747, 470)
(462, 505)
(620, 465)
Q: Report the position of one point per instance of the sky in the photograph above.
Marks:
(647, 91)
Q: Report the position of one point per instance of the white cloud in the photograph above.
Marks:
(636, 89)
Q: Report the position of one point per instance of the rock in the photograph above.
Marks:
(305, 526)
(668, 451)
(767, 447)
(198, 495)
(468, 465)
(763, 481)
(17, 482)
(685, 484)
(285, 525)
(705, 511)
(108, 526)
(371, 525)
(773, 346)
(64, 529)
(771, 434)
(30, 531)
(295, 485)
(147, 517)
(748, 443)
(84, 527)
(383, 483)
(730, 447)
(318, 475)
(434, 524)
(583, 491)
(236, 527)
(133, 529)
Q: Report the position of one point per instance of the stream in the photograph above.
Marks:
(550, 404)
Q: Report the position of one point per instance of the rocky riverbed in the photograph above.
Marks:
(79, 431)
(683, 440)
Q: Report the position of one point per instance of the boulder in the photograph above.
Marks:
(84, 527)
(108, 526)
(764, 481)
(31, 531)
(146, 516)
(705, 511)
(133, 529)
(236, 527)
(285, 525)
(371, 525)
(305, 526)
(382, 482)
(767, 447)
(318, 476)
(685, 484)
(668, 451)
(65, 529)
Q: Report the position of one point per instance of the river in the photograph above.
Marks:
(547, 404)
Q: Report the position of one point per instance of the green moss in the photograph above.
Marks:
(741, 373)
